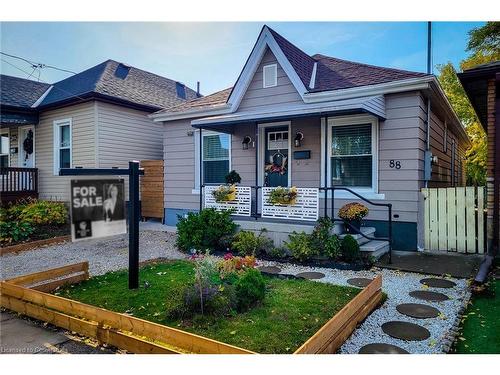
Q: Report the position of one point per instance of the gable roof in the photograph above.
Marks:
(322, 72)
(20, 92)
(115, 80)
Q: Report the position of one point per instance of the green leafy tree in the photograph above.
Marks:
(484, 45)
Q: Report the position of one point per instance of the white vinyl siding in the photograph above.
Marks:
(62, 145)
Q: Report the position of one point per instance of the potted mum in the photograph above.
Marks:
(353, 213)
(283, 195)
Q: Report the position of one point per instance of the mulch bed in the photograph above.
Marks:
(43, 235)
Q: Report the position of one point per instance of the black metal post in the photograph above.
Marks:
(133, 231)
(390, 232)
(333, 202)
(201, 169)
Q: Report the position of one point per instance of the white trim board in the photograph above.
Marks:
(55, 142)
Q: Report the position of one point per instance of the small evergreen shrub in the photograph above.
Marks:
(300, 246)
(277, 252)
(323, 241)
(350, 249)
(15, 231)
(204, 230)
(250, 288)
(247, 243)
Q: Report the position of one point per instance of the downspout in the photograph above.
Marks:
(428, 154)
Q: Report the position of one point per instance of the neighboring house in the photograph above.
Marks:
(482, 85)
(97, 119)
(335, 122)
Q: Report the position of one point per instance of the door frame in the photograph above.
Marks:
(20, 145)
(262, 145)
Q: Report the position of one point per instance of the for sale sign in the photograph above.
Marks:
(97, 208)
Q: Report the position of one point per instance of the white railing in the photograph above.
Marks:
(241, 206)
(306, 205)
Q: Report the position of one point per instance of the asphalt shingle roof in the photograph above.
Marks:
(138, 86)
(217, 98)
(20, 92)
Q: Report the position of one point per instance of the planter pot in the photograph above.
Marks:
(356, 225)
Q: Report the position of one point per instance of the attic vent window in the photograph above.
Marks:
(181, 90)
(122, 71)
(270, 75)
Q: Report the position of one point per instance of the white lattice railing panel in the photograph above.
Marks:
(306, 205)
(242, 205)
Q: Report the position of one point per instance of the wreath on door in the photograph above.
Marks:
(28, 144)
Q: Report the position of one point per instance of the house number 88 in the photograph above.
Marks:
(395, 164)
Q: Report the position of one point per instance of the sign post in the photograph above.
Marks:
(133, 172)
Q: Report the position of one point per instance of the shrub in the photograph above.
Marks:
(300, 246)
(204, 230)
(323, 241)
(247, 243)
(231, 266)
(40, 212)
(14, 231)
(277, 252)
(232, 178)
(350, 249)
(250, 288)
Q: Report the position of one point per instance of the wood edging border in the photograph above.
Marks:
(32, 245)
(140, 336)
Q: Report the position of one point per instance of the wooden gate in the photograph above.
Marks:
(454, 219)
(152, 189)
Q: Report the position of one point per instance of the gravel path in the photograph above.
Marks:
(111, 254)
(397, 286)
(103, 255)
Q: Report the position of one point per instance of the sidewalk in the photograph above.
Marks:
(21, 336)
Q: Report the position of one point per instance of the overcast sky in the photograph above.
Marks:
(214, 53)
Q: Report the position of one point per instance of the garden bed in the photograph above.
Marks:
(295, 316)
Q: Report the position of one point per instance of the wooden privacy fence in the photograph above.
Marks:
(152, 189)
(29, 295)
(454, 219)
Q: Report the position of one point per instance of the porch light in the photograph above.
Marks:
(246, 140)
(299, 136)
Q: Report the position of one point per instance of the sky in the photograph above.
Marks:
(215, 52)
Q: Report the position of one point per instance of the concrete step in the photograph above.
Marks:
(367, 231)
(375, 248)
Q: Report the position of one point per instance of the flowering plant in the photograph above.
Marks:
(225, 193)
(353, 211)
(283, 195)
(234, 265)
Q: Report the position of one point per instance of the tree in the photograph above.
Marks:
(484, 45)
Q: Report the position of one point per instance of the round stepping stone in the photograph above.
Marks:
(406, 331)
(270, 269)
(429, 296)
(381, 348)
(360, 282)
(311, 275)
(417, 310)
(435, 282)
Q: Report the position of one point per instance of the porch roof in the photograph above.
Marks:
(371, 104)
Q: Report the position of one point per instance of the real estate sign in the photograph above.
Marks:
(97, 208)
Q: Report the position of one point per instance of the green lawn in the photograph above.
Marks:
(292, 311)
(481, 324)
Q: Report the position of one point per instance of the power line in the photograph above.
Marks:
(41, 80)
(38, 65)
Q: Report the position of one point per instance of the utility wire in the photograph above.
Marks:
(36, 64)
(41, 80)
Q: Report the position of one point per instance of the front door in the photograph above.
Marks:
(276, 158)
(27, 147)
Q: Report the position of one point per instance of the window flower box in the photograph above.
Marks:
(225, 193)
(283, 196)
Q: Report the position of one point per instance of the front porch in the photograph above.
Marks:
(17, 183)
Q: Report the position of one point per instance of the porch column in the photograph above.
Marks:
(256, 131)
(201, 168)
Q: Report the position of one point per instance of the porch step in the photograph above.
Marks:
(375, 248)
(367, 231)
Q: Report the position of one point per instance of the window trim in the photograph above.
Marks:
(198, 158)
(7, 131)
(56, 143)
(356, 120)
(275, 68)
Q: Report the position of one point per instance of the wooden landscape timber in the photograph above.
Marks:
(33, 245)
(28, 295)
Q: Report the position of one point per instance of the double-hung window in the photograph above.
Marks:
(62, 145)
(352, 153)
(216, 157)
(4, 149)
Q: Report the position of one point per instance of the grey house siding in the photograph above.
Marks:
(83, 147)
(257, 97)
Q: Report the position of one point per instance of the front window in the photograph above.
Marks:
(62, 145)
(351, 156)
(216, 157)
(4, 150)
